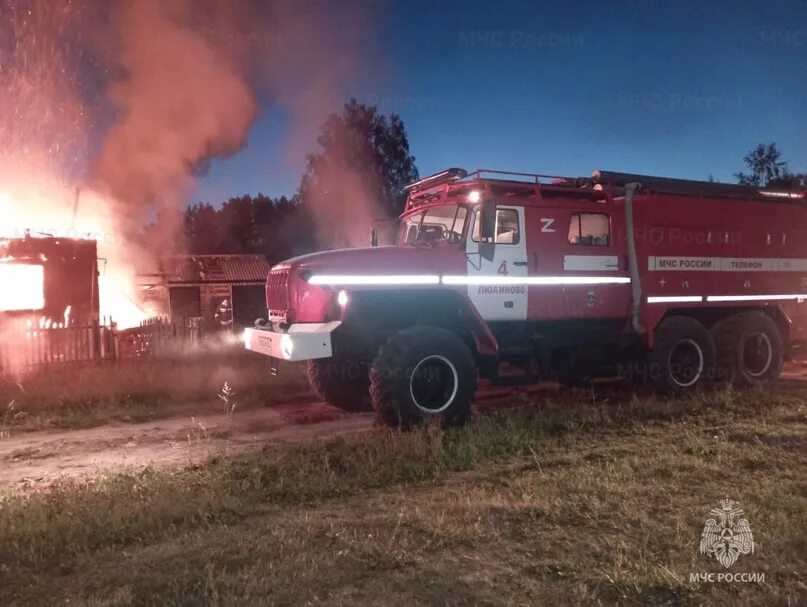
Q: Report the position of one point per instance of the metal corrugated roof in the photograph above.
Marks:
(216, 268)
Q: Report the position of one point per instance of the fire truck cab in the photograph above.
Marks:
(681, 284)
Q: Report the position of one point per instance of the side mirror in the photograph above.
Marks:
(487, 221)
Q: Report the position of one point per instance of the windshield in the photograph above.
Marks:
(432, 225)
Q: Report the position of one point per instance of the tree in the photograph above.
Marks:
(768, 169)
(238, 224)
(202, 228)
(358, 175)
(256, 224)
(282, 228)
(355, 178)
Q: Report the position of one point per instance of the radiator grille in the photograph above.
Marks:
(277, 292)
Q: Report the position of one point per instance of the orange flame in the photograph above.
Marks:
(45, 210)
(22, 287)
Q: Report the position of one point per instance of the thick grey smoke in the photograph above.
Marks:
(129, 99)
(192, 75)
(323, 51)
(180, 100)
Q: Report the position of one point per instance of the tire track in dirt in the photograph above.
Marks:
(35, 458)
(31, 459)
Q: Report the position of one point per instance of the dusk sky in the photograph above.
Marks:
(682, 89)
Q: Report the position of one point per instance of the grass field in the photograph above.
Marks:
(140, 390)
(581, 498)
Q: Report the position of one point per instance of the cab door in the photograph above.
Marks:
(578, 268)
(497, 271)
(591, 254)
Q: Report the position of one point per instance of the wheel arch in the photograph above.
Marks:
(710, 316)
(382, 312)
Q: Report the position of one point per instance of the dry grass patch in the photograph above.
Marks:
(558, 503)
(135, 391)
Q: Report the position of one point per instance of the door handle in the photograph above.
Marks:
(519, 263)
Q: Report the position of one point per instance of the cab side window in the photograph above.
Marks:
(507, 229)
(507, 226)
(590, 229)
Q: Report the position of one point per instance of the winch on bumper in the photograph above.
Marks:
(304, 341)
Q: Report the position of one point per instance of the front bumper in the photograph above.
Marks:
(303, 341)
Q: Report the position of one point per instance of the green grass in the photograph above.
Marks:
(576, 499)
(137, 391)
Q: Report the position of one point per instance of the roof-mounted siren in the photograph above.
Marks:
(688, 187)
(454, 174)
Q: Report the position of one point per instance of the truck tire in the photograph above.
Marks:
(750, 349)
(343, 383)
(423, 372)
(683, 356)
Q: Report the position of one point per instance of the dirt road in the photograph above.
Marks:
(35, 458)
(41, 457)
(28, 459)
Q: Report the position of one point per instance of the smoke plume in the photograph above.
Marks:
(321, 53)
(131, 99)
(180, 101)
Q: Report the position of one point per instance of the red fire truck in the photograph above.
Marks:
(677, 283)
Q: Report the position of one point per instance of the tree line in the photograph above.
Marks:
(357, 175)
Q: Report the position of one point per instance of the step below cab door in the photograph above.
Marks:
(497, 271)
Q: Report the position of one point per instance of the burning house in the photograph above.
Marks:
(51, 279)
(50, 304)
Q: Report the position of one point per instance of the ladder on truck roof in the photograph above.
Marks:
(455, 175)
(438, 188)
(687, 187)
(609, 182)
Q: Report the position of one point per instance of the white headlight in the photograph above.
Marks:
(286, 345)
(342, 298)
(474, 196)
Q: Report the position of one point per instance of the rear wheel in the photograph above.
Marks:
(423, 372)
(750, 349)
(683, 356)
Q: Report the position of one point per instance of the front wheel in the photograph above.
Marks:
(423, 372)
(683, 356)
(341, 382)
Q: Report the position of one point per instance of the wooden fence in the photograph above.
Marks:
(42, 346)
(28, 348)
(159, 337)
